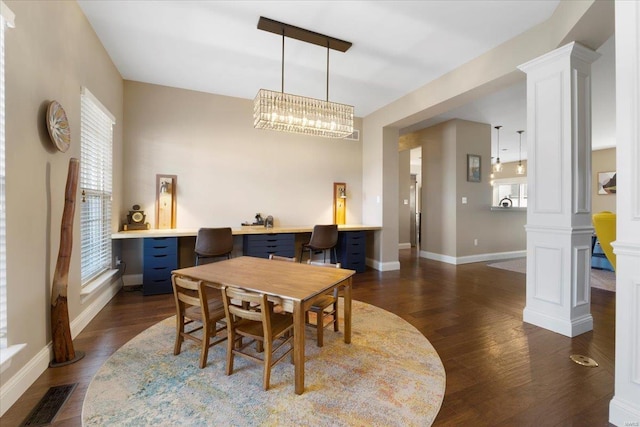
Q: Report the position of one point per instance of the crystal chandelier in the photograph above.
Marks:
(299, 114)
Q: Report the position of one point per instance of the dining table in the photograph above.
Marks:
(294, 285)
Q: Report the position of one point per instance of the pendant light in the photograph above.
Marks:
(498, 166)
(281, 111)
(520, 168)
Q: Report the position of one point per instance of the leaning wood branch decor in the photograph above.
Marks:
(63, 352)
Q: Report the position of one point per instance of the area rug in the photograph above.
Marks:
(601, 279)
(390, 375)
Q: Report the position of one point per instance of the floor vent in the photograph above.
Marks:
(48, 407)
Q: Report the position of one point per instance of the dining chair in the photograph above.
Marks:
(213, 243)
(194, 305)
(281, 258)
(320, 307)
(277, 307)
(323, 238)
(250, 315)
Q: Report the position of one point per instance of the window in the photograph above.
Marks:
(96, 140)
(6, 20)
(514, 189)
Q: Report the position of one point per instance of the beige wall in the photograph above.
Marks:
(449, 226)
(227, 170)
(602, 161)
(404, 211)
(50, 55)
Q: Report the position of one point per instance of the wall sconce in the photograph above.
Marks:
(339, 203)
(166, 201)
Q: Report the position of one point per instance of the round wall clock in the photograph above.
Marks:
(58, 126)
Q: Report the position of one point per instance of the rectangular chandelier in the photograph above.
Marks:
(299, 114)
(284, 112)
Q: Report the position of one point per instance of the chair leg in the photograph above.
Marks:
(231, 339)
(268, 347)
(204, 351)
(179, 329)
(319, 328)
(335, 316)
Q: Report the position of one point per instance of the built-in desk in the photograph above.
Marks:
(160, 255)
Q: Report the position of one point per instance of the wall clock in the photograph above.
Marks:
(58, 126)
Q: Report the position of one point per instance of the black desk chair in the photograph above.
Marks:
(213, 243)
(323, 238)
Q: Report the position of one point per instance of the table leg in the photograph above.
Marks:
(298, 343)
(347, 311)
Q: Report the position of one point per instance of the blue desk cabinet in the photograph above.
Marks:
(262, 245)
(160, 258)
(351, 250)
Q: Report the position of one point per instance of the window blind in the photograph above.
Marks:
(6, 20)
(96, 140)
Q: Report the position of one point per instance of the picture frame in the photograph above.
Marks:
(474, 168)
(607, 183)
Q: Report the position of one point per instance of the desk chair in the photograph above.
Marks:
(323, 238)
(319, 307)
(213, 243)
(250, 315)
(194, 306)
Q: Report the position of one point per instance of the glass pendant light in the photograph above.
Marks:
(520, 168)
(498, 166)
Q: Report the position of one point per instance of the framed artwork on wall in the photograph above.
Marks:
(473, 168)
(607, 182)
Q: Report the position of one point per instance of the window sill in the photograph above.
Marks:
(6, 354)
(97, 283)
(500, 208)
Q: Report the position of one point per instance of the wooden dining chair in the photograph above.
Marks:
(281, 258)
(194, 307)
(250, 315)
(320, 306)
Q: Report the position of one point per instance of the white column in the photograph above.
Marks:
(624, 409)
(559, 190)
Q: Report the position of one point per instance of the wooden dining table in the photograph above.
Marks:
(295, 285)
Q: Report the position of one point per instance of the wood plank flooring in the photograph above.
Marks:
(500, 371)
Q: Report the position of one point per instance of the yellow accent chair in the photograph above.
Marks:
(604, 224)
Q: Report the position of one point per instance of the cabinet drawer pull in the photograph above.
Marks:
(160, 256)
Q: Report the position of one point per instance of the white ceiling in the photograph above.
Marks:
(398, 46)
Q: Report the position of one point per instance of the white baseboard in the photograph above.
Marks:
(624, 413)
(567, 327)
(496, 256)
(383, 266)
(404, 246)
(132, 279)
(11, 390)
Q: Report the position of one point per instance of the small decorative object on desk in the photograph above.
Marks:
(268, 223)
(259, 220)
(506, 202)
(135, 220)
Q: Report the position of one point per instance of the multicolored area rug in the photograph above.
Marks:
(601, 279)
(389, 375)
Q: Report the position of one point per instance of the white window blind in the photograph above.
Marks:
(6, 20)
(96, 139)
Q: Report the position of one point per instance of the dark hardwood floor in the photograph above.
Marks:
(500, 371)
